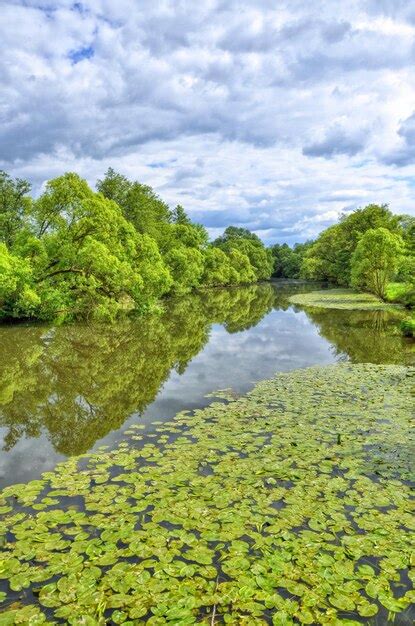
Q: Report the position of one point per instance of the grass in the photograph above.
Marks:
(342, 299)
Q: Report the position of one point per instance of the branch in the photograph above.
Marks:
(71, 270)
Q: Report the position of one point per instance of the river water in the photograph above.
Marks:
(71, 389)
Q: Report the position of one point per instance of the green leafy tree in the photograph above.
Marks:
(14, 206)
(186, 268)
(375, 260)
(407, 269)
(179, 215)
(250, 245)
(97, 264)
(183, 254)
(330, 256)
(139, 203)
(18, 298)
(217, 268)
(242, 272)
(233, 233)
(287, 262)
(74, 253)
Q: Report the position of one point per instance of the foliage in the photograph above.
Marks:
(186, 268)
(403, 293)
(14, 206)
(395, 291)
(375, 260)
(217, 268)
(288, 261)
(243, 242)
(139, 203)
(330, 256)
(77, 254)
(234, 511)
(17, 296)
(97, 263)
(408, 327)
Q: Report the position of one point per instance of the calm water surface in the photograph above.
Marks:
(67, 390)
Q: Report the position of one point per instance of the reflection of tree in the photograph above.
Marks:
(80, 382)
(239, 309)
(365, 336)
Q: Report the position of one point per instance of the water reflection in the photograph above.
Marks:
(364, 336)
(63, 389)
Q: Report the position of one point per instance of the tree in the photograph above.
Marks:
(74, 253)
(287, 261)
(242, 271)
(329, 258)
(375, 260)
(14, 206)
(217, 268)
(139, 203)
(407, 269)
(249, 245)
(96, 263)
(233, 233)
(186, 268)
(179, 215)
(18, 297)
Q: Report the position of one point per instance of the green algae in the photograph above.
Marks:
(343, 299)
(289, 505)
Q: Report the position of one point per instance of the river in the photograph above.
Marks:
(67, 390)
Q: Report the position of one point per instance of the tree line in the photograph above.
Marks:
(76, 253)
(366, 249)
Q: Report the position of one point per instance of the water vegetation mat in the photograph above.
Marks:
(290, 505)
(343, 299)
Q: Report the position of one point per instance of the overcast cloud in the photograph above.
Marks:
(272, 115)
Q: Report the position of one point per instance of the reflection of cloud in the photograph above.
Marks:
(254, 94)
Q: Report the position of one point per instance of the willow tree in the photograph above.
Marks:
(96, 263)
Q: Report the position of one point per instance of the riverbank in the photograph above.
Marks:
(289, 503)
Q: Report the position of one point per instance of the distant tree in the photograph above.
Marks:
(375, 260)
(287, 262)
(232, 233)
(179, 215)
(250, 245)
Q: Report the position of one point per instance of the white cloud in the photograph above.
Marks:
(273, 118)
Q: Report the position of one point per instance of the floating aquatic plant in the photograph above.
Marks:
(291, 505)
(343, 299)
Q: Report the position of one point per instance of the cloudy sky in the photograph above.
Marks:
(276, 115)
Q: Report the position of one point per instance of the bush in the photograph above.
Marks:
(402, 293)
(408, 327)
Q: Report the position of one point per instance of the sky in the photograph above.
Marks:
(274, 115)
